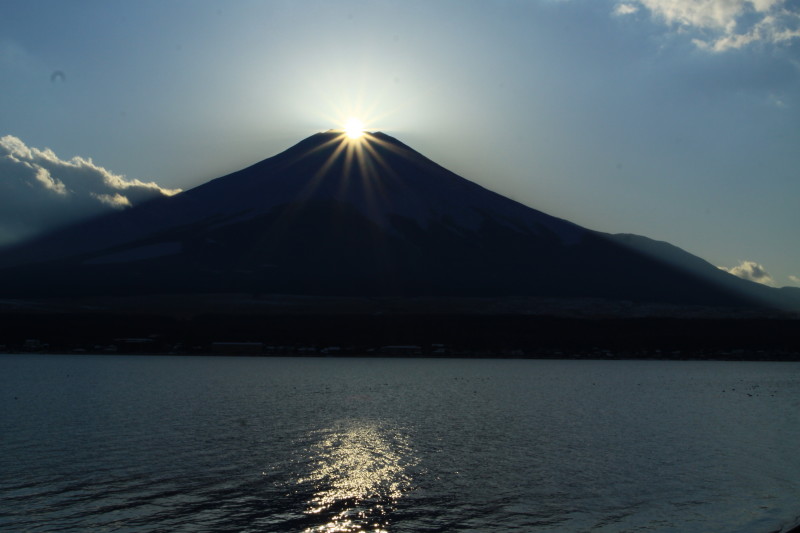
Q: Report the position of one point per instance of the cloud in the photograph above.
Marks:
(625, 9)
(39, 191)
(725, 24)
(795, 279)
(750, 270)
(116, 200)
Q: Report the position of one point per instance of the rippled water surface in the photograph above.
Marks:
(270, 444)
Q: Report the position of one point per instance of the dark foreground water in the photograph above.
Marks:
(93, 443)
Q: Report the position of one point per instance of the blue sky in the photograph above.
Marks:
(674, 119)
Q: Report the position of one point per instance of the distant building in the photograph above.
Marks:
(136, 345)
(34, 345)
(402, 350)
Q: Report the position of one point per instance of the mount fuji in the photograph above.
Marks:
(333, 216)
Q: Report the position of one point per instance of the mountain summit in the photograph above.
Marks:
(350, 217)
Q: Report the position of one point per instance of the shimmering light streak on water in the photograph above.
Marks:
(358, 471)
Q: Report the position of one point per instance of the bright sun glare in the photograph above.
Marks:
(354, 128)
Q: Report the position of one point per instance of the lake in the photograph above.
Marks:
(157, 443)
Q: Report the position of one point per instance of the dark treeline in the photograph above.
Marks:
(442, 335)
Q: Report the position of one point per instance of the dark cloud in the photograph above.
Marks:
(39, 191)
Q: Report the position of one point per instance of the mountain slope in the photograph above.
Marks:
(782, 298)
(331, 216)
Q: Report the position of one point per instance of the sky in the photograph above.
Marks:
(674, 119)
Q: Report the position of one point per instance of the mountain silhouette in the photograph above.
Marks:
(369, 217)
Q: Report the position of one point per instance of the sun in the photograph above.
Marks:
(353, 128)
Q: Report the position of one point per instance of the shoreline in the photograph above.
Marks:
(404, 335)
(305, 353)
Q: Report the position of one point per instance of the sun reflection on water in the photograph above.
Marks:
(358, 471)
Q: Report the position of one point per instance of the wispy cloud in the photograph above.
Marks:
(625, 9)
(795, 280)
(40, 191)
(752, 271)
(725, 24)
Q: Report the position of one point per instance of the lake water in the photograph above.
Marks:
(127, 443)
